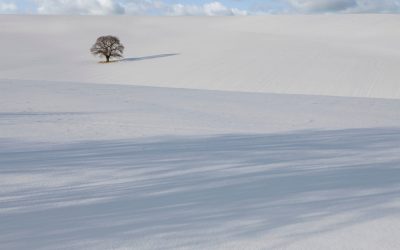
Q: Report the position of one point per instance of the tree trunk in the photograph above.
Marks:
(108, 58)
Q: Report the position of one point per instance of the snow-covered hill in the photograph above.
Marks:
(343, 55)
(91, 160)
(92, 166)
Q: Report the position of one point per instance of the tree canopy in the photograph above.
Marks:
(108, 47)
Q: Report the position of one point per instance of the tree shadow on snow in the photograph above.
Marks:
(132, 59)
(192, 191)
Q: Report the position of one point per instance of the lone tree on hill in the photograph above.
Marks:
(108, 47)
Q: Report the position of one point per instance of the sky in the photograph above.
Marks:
(196, 7)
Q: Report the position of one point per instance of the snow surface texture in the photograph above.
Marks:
(110, 166)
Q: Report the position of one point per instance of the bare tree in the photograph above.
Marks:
(108, 47)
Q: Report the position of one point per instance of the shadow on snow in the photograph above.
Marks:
(131, 59)
(197, 188)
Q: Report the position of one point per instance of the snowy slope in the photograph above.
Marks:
(92, 166)
(64, 111)
(342, 55)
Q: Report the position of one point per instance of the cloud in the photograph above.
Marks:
(133, 7)
(90, 7)
(208, 9)
(381, 6)
(143, 7)
(200, 7)
(8, 7)
(344, 6)
(217, 9)
(322, 5)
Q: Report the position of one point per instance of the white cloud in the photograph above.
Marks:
(181, 10)
(218, 9)
(91, 7)
(344, 6)
(322, 5)
(381, 6)
(212, 8)
(8, 7)
(133, 7)
(208, 9)
(141, 7)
